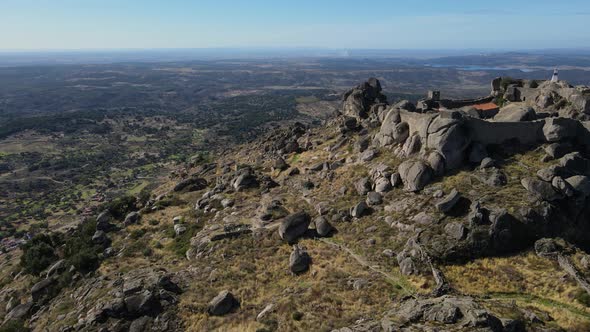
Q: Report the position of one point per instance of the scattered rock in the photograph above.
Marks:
(487, 162)
(363, 186)
(388, 253)
(383, 185)
(515, 113)
(368, 155)
(21, 311)
(557, 150)
(396, 180)
(140, 324)
(359, 210)
(415, 174)
(447, 203)
(455, 230)
(497, 178)
(322, 226)
(574, 164)
(265, 312)
(540, 189)
(100, 238)
(272, 210)
(131, 218)
(103, 221)
(580, 184)
(222, 304)
(280, 164)
(562, 186)
(558, 129)
(374, 198)
(547, 174)
(179, 229)
(191, 184)
(299, 260)
(547, 247)
(294, 226)
(423, 218)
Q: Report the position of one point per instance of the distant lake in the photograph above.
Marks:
(475, 68)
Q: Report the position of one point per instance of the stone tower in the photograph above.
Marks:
(433, 95)
(555, 76)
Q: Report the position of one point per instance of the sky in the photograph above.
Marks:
(331, 24)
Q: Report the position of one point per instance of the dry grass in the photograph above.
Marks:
(256, 271)
(526, 279)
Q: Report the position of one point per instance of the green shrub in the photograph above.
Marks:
(144, 196)
(14, 325)
(138, 233)
(147, 251)
(297, 316)
(182, 243)
(583, 297)
(121, 206)
(80, 251)
(38, 254)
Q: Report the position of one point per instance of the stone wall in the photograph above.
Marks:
(486, 132)
(458, 103)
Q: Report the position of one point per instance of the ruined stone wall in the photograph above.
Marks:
(489, 132)
(451, 103)
(486, 132)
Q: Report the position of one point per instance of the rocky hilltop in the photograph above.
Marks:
(445, 215)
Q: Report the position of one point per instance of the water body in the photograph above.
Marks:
(476, 68)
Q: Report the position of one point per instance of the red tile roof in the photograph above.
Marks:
(486, 106)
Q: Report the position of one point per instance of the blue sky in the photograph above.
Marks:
(382, 24)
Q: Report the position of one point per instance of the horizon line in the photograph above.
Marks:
(278, 48)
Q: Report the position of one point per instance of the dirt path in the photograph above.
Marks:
(375, 268)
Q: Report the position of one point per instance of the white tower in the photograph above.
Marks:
(555, 77)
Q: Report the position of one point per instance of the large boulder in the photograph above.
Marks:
(540, 189)
(574, 164)
(557, 150)
(131, 218)
(359, 210)
(558, 129)
(191, 184)
(363, 186)
(415, 174)
(272, 210)
(294, 226)
(447, 203)
(515, 113)
(358, 101)
(450, 137)
(383, 185)
(299, 260)
(507, 234)
(547, 247)
(222, 304)
(244, 179)
(374, 198)
(21, 311)
(322, 226)
(144, 303)
(580, 102)
(580, 184)
(103, 221)
(42, 290)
